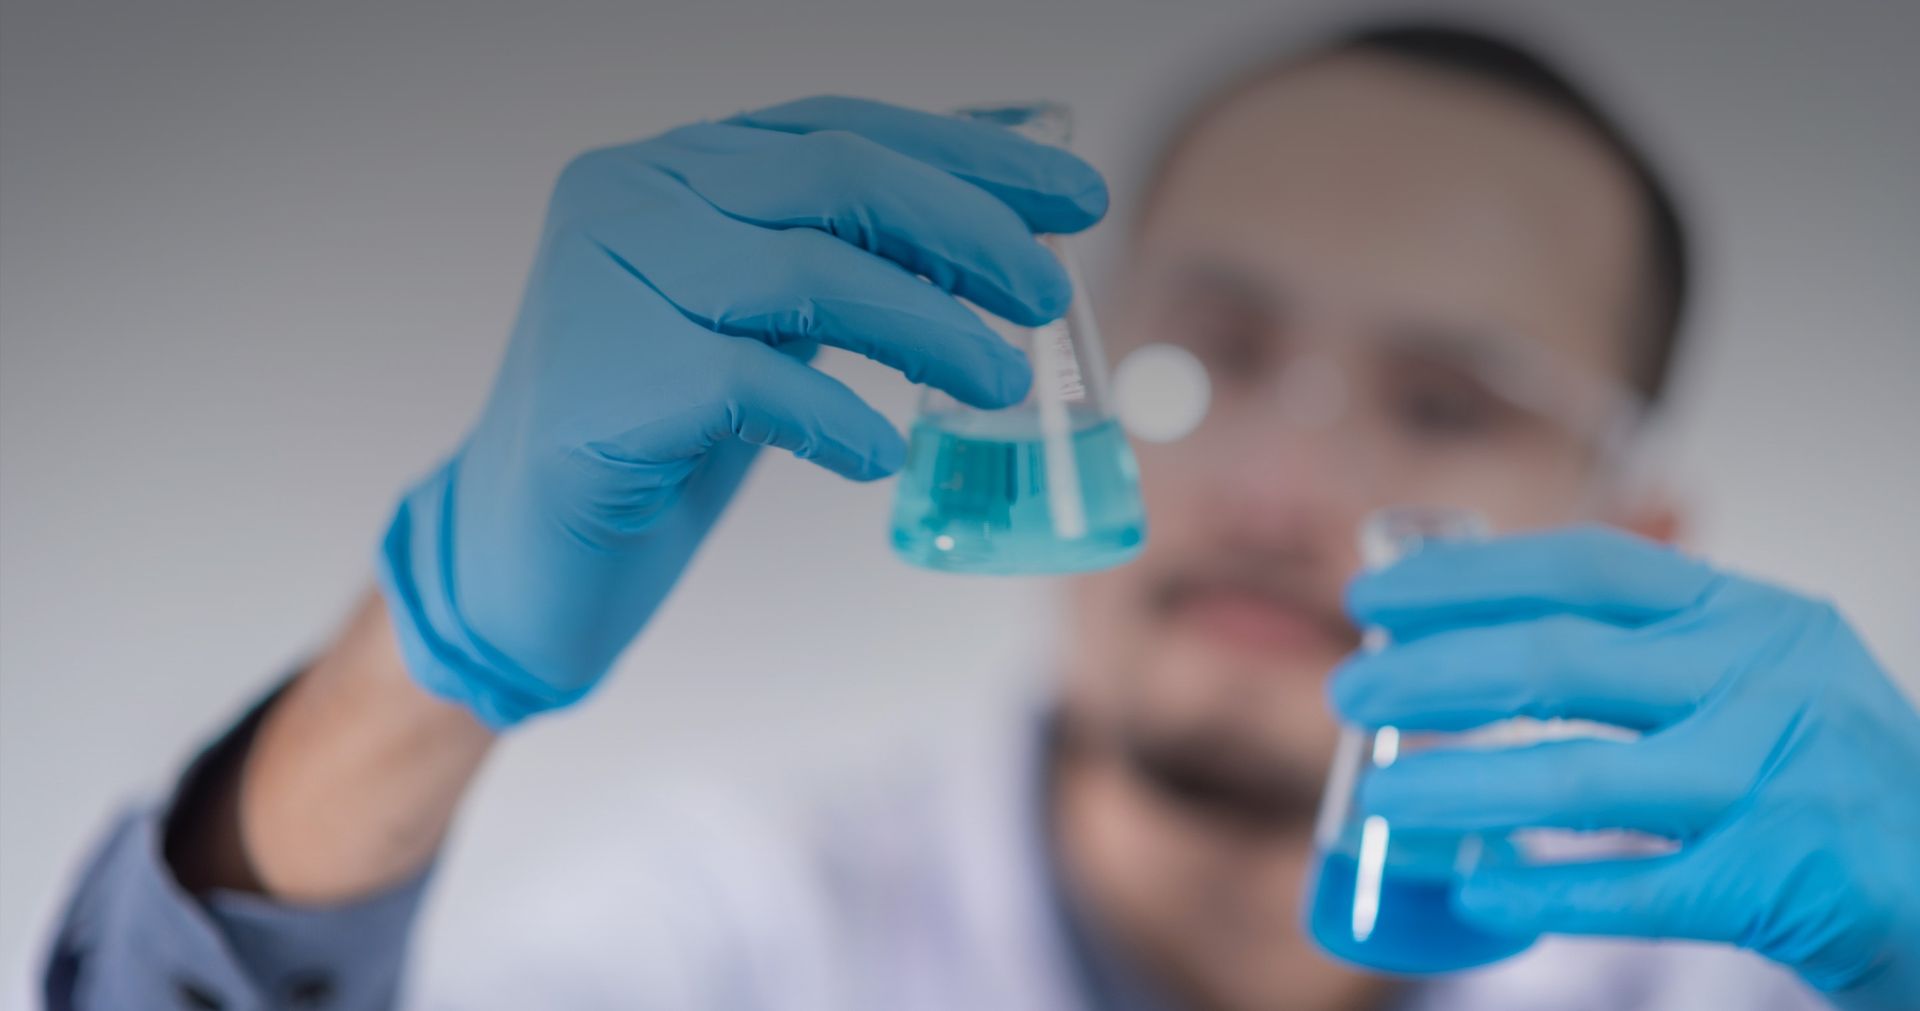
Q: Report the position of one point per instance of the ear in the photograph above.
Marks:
(1637, 493)
(1654, 516)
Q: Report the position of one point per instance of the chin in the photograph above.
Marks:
(1270, 716)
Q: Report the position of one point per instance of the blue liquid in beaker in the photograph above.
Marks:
(983, 499)
(1412, 929)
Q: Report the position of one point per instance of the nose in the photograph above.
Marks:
(1290, 473)
(1269, 477)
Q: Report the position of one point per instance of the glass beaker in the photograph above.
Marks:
(1382, 896)
(1048, 485)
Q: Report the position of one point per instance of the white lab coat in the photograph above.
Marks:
(927, 894)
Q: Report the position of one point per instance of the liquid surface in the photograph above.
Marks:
(985, 499)
(1414, 930)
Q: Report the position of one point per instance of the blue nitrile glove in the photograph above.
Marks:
(681, 284)
(1775, 750)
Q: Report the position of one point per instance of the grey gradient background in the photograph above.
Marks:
(257, 261)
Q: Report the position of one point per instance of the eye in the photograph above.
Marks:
(1227, 320)
(1233, 352)
(1442, 411)
(1433, 405)
(1234, 344)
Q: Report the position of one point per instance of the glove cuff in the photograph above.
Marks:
(415, 572)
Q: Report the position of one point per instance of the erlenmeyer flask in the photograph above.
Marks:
(1382, 895)
(1048, 485)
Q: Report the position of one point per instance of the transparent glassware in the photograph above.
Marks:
(1048, 485)
(1381, 896)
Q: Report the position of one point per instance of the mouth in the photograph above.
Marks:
(1257, 619)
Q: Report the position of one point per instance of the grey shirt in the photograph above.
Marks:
(131, 937)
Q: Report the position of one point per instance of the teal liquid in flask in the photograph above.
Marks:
(1382, 896)
(1048, 485)
(986, 494)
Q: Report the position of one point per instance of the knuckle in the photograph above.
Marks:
(845, 164)
(841, 152)
(1819, 613)
(1770, 607)
(584, 171)
(571, 233)
(842, 147)
(1824, 910)
(591, 184)
(825, 106)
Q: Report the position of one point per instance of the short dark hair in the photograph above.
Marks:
(1501, 60)
(1522, 68)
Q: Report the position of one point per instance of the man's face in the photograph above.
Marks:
(1327, 242)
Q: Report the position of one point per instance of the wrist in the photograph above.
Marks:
(355, 773)
(433, 642)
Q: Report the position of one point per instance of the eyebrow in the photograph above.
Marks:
(1215, 276)
(1528, 374)
(1481, 347)
(1517, 368)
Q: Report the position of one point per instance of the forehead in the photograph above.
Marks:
(1370, 181)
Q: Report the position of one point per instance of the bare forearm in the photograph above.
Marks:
(348, 785)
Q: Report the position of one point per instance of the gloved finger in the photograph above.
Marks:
(957, 236)
(1561, 666)
(803, 285)
(1602, 574)
(799, 350)
(1668, 896)
(756, 394)
(1587, 784)
(773, 400)
(1049, 188)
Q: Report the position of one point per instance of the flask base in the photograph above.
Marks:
(1412, 930)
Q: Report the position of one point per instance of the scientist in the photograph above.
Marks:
(1417, 265)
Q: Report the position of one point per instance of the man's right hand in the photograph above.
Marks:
(682, 283)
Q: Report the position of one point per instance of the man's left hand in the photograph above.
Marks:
(1774, 750)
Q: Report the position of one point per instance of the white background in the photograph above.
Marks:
(257, 262)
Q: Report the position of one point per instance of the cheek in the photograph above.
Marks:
(1546, 492)
(1111, 624)
(1105, 616)
(1180, 501)
(1105, 636)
